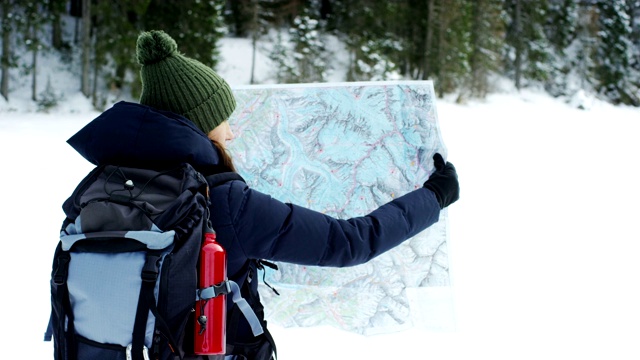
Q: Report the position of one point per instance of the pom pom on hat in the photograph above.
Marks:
(154, 46)
(185, 86)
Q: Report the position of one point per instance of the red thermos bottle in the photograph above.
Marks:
(209, 335)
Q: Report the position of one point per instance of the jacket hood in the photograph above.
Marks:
(135, 135)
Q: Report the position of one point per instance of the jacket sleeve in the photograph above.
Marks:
(269, 229)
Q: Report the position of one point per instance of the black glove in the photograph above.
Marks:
(444, 182)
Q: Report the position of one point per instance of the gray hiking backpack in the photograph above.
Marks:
(124, 275)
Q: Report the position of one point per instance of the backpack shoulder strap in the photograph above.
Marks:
(221, 178)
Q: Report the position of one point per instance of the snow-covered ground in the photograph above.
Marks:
(544, 246)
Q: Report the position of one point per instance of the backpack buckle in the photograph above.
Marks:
(213, 291)
(150, 269)
(60, 274)
(145, 352)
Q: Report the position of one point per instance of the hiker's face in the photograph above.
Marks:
(221, 134)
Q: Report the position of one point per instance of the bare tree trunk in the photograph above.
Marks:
(444, 21)
(56, 24)
(254, 42)
(475, 47)
(6, 50)
(98, 62)
(76, 30)
(56, 32)
(86, 47)
(34, 79)
(633, 9)
(428, 42)
(255, 29)
(4, 82)
(94, 90)
(518, 37)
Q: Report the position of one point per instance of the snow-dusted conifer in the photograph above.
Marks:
(614, 52)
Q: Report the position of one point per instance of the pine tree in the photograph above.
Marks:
(259, 16)
(280, 54)
(413, 27)
(451, 45)
(527, 47)
(633, 9)
(6, 57)
(35, 15)
(86, 48)
(614, 53)
(582, 52)
(562, 24)
(116, 28)
(307, 49)
(366, 30)
(56, 9)
(435, 41)
(562, 31)
(239, 14)
(485, 44)
(196, 26)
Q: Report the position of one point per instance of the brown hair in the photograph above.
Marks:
(225, 157)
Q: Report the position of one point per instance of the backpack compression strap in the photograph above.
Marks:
(64, 346)
(146, 303)
(243, 305)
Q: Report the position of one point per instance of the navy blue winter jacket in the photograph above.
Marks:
(251, 224)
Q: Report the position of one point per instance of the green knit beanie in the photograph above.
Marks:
(174, 82)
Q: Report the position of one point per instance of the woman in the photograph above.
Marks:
(182, 117)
